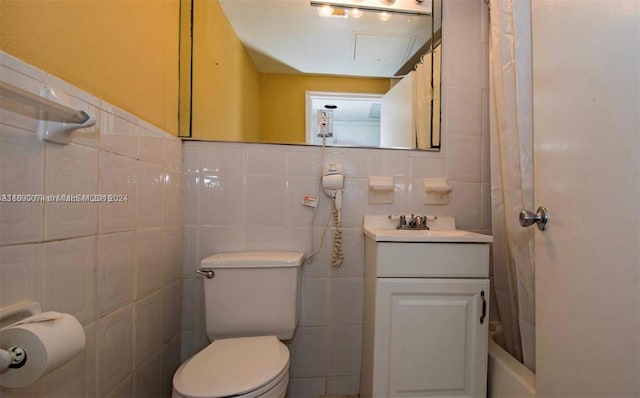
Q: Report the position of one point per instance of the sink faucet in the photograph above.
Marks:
(418, 222)
(414, 222)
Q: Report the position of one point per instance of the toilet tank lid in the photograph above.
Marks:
(255, 259)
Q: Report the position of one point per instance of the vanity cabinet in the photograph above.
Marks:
(425, 319)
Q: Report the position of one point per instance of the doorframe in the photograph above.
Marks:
(310, 95)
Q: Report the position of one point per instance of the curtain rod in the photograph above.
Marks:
(417, 57)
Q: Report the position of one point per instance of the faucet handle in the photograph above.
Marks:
(402, 220)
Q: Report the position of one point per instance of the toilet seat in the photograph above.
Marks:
(246, 367)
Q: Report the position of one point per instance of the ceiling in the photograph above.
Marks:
(289, 36)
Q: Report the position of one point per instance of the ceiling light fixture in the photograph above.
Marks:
(333, 12)
(384, 16)
(413, 7)
(355, 13)
(325, 11)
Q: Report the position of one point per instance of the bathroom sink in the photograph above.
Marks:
(397, 235)
(381, 229)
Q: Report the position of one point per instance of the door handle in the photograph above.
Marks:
(540, 218)
(484, 307)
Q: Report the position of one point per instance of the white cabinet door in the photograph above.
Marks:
(428, 338)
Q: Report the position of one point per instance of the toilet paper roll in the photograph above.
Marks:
(50, 340)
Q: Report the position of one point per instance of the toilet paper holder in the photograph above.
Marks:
(15, 357)
(35, 343)
(12, 358)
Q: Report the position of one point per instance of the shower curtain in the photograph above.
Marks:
(512, 172)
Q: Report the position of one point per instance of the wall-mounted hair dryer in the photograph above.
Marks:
(333, 182)
(333, 186)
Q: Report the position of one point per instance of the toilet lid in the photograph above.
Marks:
(231, 367)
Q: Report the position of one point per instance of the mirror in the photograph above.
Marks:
(253, 70)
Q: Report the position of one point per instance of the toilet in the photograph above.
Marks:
(251, 302)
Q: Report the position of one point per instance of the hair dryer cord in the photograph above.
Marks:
(337, 256)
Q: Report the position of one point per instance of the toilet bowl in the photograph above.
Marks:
(243, 367)
(251, 303)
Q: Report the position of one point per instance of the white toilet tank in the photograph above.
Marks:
(252, 294)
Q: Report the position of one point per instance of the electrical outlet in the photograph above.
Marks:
(325, 123)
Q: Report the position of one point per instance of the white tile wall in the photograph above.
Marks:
(170, 357)
(118, 131)
(20, 273)
(147, 327)
(115, 271)
(465, 111)
(345, 343)
(150, 144)
(26, 78)
(248, 196)
(313, 304)
(343, 385)
(21, 171)
(173, 197)
(345, 300)
(266, 200)
(103, 262)
(172, 153)
(147, 380)
(308, 387)
(270, 160)
(147, 261)
(117, 176)
(308, 350)
(70, 169)
(149, 195)
(123, 390)
(171, 310)
(266, 238)
(171, 254)
(192, 305)
(68, 278)
(114, 349)
(220, 191)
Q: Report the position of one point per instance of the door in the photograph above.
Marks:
(429, 340)
(586, 85)
(397, 125)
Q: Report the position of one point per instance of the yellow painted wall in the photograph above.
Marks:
(125, 52)
(225, 79)
(184, 100)
(282, 101)
(232, 101)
